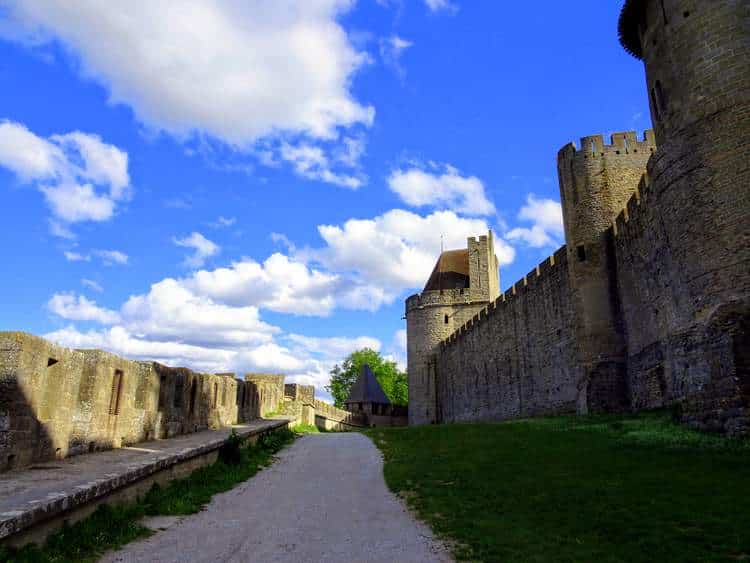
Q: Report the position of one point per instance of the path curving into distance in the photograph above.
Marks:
(324, 499)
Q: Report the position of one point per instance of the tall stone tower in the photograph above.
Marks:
(461, 284)
(697, 59)
(596, 182)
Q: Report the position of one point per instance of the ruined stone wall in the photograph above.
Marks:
(57, 402)
(515, 358)
(266, 392)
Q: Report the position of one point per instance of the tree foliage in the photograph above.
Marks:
(391, 379)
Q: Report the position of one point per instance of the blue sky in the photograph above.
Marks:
(257, 186)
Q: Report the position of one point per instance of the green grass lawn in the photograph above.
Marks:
(112, 527)
(600, 488)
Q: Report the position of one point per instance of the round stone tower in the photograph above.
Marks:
(596, 182)
(462, 283)
(697, 59)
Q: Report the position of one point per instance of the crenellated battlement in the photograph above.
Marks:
(442, 298)
(641, 197)
(622, 143)
(648, 304)
(527, 283)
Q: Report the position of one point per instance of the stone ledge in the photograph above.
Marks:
(48, 491)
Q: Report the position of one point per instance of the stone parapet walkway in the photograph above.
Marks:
(45, 491)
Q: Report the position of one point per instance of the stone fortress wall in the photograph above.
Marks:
(516, 357)
(648, 304)
(56, 402)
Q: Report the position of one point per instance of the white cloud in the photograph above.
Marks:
(68, 306)
(278, 284)
(441, 5)
(76, 256)
(547, 223)
(170, 310)
(110, 257)
(397, 350)
(107, 257)
(391, 49)
(120, 341)
(237, 71)
(333, 348)
(202, 247)
(311, 162)
(397, 250)
(82, 178)
(223, 222)
(92, 285)
(446, 189)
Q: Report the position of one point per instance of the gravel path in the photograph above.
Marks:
(324, 499)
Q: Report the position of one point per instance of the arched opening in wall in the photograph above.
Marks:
(193, 395)
(741, 352)
(581, 251)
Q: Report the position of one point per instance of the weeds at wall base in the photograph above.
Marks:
(110, 528)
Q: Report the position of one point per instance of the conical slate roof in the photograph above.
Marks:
(367, 389)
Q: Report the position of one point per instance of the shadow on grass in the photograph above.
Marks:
(112, 527)
(597, 488)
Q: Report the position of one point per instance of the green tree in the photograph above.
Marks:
(391, 379)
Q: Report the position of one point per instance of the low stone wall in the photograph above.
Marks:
(56, 402)
(329, 417)
(35, 504)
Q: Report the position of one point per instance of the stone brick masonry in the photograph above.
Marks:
(56, 402)
(648, 304)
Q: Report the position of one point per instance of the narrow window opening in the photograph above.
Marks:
(162, 391)
(51, 362)
(216, 393)
(11, 461)
(664, 12)
(657, 111)
(581, 249)
(660, 97)
(179, 389)
(446, 319)
(114, 401)
(193, 395)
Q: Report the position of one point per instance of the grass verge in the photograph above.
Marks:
(598, 488)
(112, 527)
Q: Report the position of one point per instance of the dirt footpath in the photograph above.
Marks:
(324, 499)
